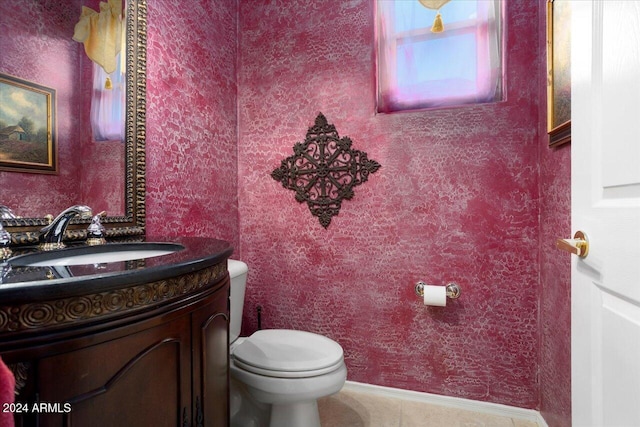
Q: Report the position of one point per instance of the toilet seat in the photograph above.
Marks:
(285, 353)
(287, 374)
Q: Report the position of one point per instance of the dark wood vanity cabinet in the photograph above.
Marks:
(164, 364)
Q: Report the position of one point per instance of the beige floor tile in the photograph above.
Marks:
(359, 409)
(420, 414)
(352, 409)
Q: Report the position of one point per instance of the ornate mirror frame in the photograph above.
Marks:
(26, 230)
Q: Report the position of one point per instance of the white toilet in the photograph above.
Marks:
(277, 375)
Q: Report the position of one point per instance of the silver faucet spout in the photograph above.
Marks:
(51, 236)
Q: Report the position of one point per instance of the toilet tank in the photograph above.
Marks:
(238, 273)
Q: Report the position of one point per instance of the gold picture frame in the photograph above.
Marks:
(27, 126)
(559, 71)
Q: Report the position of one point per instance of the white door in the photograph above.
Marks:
(605, 190)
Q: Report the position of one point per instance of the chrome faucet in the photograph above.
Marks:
(51, 236)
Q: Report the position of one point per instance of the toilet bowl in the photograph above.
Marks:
(277, 375)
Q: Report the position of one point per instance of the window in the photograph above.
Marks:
(421, 69)
(108, 105)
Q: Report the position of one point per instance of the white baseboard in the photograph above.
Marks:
(451, 402)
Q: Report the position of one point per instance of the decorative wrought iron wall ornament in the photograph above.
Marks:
(324, 169)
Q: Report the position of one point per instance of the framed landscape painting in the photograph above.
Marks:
(27, 126)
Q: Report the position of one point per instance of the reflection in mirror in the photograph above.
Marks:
(105, 175)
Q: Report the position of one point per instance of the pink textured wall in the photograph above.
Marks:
(191, 119)
(103, 178)
(555, 272)
(555, 291)
(456, 199)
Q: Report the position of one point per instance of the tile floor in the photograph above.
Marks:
(351, 408)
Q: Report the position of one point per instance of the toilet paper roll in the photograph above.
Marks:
(435, 295)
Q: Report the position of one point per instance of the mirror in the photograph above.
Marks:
(30, 195)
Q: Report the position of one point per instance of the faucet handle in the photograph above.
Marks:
(6, 213)
(95, 231)
(5, 244)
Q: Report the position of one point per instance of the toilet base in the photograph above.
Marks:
(245, 410)
(264, 401)
(248, 412)
(298, 414)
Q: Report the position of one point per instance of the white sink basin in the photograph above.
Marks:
(100, 254)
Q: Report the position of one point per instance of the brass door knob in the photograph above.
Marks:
(579, 245)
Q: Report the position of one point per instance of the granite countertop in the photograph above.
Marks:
(30, 284)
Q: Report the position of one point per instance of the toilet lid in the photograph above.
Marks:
(288, 351)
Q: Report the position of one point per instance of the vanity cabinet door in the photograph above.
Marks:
(210, 337)
(141, 379)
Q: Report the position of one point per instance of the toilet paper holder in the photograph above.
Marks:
(452, 289)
